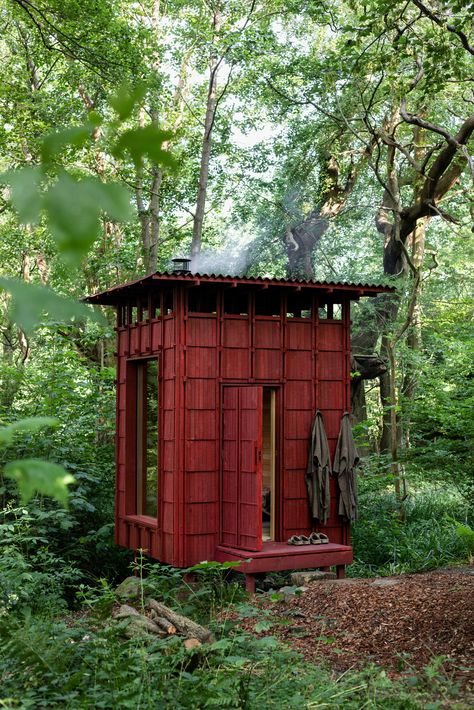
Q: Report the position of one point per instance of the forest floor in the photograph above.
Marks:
(400, 623)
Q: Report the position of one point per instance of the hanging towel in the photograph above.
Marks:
(318, 471)
(346, 459)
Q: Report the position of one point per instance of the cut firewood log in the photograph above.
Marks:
(124, 611)
(185, 626)
(191, 643)
(142, 626)
(163, 623)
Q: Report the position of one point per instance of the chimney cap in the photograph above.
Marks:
(181, 265)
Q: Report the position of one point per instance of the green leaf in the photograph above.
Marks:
(126, 99)
(145, 141)
(73, 209)
(262, 626)
(34, 476)
(54, 143)
(29, 425)
(31, 301)
(115, 201)
(25, 195)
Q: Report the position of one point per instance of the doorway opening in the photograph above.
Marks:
(268, 463)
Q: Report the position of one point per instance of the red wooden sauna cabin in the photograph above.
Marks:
(218, 381)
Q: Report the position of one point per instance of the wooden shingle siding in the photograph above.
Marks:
(201, 356)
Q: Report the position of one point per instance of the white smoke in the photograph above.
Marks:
(228, 260)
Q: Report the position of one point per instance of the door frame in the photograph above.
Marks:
(278, 389)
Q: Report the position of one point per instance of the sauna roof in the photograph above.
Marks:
(131, 289)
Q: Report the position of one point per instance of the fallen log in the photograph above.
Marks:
(189, 644)
(163, 623)
(124, 611)
(142, 625)
(185, 626)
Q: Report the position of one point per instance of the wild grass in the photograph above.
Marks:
(435, 531)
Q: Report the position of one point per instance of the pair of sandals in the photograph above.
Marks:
(314, 539)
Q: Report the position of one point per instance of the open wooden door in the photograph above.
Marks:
(241, 522)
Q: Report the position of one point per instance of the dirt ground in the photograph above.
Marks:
(400, 623)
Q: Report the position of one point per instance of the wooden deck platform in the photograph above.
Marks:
(279, 556)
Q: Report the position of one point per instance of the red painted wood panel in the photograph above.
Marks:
(235, 364)
(145, 337)
(201, 518)
(299, 335)
(169, 333)
(298, 365)
(267, 334)
(201, 331)
(121, 370)
(201, 455)
(201, 424)
(169, 363)
(332, 423)
(200, 394)
(200, 548)
(167, 426)
(268, 364)
(156, 335)
(294, 483)
(331, 395)
(295, 453)
(201, 362)
(168, 455)
(331, 365)
(134, 340)
(167, 548)
(168, 517)
(235, 333)
(202, 487)
(168, 392)
(296, 514)
(297, 423)
(121, 396)
(123, 341)
(331, 336)
(298, 395)
(121, 533)
(242, 467)
(167, 490)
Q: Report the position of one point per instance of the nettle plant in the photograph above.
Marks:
(71, 205)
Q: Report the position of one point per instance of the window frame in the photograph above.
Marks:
(136, 428)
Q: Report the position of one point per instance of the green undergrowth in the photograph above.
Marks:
(78, 664)
(437, 530)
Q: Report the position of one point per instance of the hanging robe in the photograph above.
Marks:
(318, 471)
(346, 459)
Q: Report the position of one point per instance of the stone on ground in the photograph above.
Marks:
(302, 578)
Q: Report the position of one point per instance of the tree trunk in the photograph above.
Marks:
(211, 106)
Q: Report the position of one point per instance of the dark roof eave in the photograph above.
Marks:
(116, 294)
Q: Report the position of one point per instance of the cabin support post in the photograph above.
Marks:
(250, 583)
(340, 571)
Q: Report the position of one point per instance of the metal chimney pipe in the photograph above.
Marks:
(181, 265)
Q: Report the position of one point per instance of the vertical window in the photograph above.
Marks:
(147, 438)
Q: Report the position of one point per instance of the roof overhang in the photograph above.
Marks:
(137, 288)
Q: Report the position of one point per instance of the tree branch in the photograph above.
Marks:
(438, 21)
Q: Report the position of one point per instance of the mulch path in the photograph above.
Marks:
(399, 623)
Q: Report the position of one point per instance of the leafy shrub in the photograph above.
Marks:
(57, 665)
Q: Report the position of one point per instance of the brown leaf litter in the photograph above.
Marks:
(400, 623)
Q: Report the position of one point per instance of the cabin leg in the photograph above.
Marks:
(340, 571)
(250, 583)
